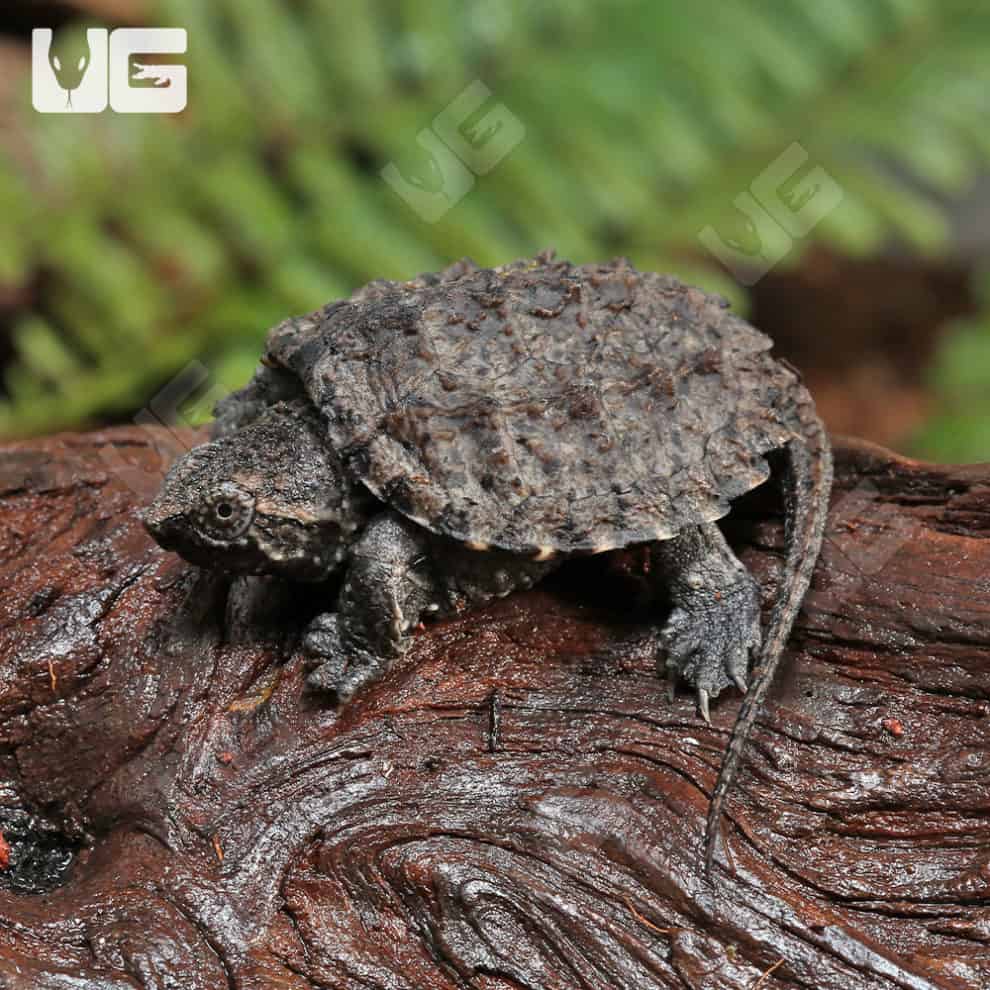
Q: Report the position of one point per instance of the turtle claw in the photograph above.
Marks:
(326, 676)
(344, 684)
(338, 669)
(709, 641)
(703, 705)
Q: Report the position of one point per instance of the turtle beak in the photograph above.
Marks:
(162, 522)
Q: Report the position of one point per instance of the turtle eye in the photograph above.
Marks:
(227, 513)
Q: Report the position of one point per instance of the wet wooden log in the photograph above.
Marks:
(518, 805)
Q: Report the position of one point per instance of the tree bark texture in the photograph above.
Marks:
(518, 804)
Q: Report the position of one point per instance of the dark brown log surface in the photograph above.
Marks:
(183, 813)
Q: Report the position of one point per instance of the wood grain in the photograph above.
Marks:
(518, 805)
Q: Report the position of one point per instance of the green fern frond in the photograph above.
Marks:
(167, 240)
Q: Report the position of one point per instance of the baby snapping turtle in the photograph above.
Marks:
(454, 437)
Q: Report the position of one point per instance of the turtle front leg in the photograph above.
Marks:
(714, 625)
(389, 583)
(398, 572)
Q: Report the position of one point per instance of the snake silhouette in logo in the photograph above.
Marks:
(69, 56)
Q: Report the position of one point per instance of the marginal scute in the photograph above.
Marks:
(542, 404)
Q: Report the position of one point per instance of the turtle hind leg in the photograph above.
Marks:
(714, 623)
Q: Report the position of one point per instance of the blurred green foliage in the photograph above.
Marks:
(960, 379)
(148, 242)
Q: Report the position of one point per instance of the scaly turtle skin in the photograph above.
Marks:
(454, 437)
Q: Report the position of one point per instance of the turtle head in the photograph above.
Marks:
(270, 498)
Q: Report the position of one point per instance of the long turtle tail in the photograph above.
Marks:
(808, 482)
